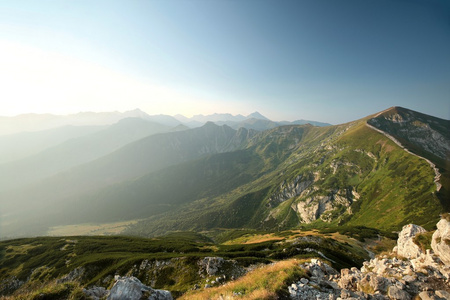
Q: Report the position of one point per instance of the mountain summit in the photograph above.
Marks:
(257, 115)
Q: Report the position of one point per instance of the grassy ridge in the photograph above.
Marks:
(169, 262)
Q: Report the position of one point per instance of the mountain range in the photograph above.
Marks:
(382, 171)
(40, 122)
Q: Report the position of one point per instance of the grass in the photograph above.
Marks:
(168, 262)
(267, 282)
(51, 291)
(423, 240)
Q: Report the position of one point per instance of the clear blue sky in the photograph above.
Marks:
(331, 61)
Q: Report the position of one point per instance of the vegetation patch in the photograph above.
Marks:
(423, 240)
(267, 282)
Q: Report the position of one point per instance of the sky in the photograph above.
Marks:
(330, 61)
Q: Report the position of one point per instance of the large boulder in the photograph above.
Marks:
(440, 242)
(405, 243)
(130, 288)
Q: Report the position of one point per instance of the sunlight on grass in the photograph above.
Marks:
(267, 282)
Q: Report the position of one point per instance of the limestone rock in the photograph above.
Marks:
(398, 294)
(405, 244)
(96, 292)
(443, 294)
(440, 242)
(211, 265)
(73, 275)
(131, 288)
(426, 295)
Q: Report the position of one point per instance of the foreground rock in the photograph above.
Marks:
(405, 243)
(422, 276)
(130, 288)
(96, 293)
(440, 242)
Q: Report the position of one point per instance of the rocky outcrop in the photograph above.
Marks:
(210, 265)
(440, 242)
(75, 274)
(10, 285)
(217, 266)
(96, 292)
(379, 278)
(289, 190)
(131, 288)
(422, 276)
(405, 243)
(317, 206)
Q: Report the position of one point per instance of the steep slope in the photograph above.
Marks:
(423, 135)
(75, 151)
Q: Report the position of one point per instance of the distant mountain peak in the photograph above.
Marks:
(256, 115)
(138, 113)
(210, 124)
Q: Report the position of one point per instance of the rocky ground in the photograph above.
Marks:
(406, 273)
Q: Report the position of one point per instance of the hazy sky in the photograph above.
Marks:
(331, 61)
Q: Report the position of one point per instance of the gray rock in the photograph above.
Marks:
(10, 284)
(379, 283)
(96, 292)
(73, 275)
(131, 288)
(405, 244)
(440, 242)
(211, 265)
(427, 295)
(443, 294)
(398, 294)
(348, 279)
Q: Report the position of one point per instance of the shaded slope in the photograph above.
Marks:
(167, 189)
(132, 161)
(20, 145)
(75, 151)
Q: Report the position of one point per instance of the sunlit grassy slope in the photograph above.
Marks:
(265, 282)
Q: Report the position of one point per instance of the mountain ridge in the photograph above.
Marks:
(37, 122)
